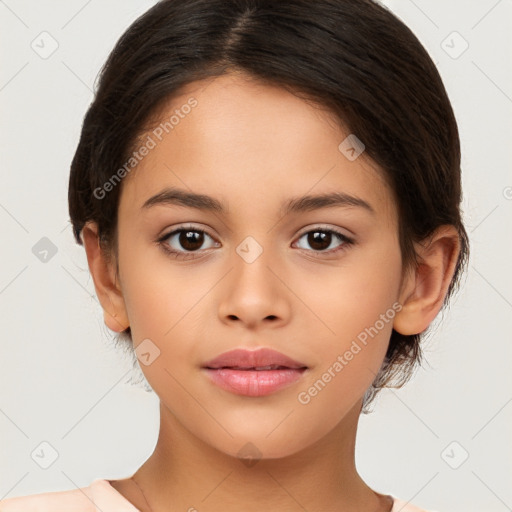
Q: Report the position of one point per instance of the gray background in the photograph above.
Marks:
(64, 384)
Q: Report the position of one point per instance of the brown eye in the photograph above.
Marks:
(322, 240)
(319, 240)
(185, 242)
(191, 240)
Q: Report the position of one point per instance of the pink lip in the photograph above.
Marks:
(244, 372)
(246, 359)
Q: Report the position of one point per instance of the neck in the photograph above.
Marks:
(185, 473)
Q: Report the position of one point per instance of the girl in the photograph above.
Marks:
(268, 194)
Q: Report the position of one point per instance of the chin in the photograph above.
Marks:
(251, 450)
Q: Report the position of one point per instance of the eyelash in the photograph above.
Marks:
(162, 241)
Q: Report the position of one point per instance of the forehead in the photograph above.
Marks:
(247, 141)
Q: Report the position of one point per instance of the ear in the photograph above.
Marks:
(424, 289)
(105, 280)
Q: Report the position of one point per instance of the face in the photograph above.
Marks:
(317, 281)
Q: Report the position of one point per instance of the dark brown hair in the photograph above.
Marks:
(353, 57)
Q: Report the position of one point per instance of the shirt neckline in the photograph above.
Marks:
(105, 494)
(104, 486)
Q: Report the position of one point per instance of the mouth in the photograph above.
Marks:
(254, 382)
(254, 373)
(254, 368)
(260, 359)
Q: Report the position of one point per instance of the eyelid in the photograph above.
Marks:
(184, 227)
(346, 241)
(307, 229)
(325, 227)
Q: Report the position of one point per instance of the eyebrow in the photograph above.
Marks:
(175, 196)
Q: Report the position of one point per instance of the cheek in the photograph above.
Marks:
(342, 302)
(157, 291)
(354, 309)
(347, 362)
(167, 304)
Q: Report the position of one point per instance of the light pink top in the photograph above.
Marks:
(100, 496)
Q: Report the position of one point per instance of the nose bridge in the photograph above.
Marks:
(252, 275)
(250, 250)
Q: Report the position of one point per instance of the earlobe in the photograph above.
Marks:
(103, 275)
(424, 289)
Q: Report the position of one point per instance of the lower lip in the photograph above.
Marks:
(254, 382)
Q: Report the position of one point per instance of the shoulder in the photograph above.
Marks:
(404, 506)
(54, 501)
(99, 495)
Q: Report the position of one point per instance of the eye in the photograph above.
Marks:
(321, 240)
(182, 243)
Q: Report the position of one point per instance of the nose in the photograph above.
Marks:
(254, 293)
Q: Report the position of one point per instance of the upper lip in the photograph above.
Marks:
(245, 359)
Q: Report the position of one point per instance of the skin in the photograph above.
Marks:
(254, 147)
